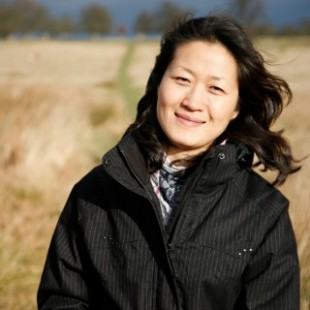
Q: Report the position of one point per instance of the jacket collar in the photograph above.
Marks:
(221, 163)
(217, 166)
(125, 164)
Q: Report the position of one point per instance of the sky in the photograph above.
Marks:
(124, 12)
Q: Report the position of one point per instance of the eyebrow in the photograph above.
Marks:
(213, 77)
(218, 78)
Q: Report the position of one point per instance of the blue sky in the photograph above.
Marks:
(124, 12)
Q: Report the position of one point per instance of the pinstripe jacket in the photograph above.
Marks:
(229, 244)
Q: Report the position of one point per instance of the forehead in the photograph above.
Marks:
(205, 57)
(203, 46)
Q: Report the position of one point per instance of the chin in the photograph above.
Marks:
(188, 148)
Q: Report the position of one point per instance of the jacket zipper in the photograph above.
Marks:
(167, 245)
(189, 187)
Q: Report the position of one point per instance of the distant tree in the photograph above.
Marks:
(288, 30)
(304, 26)
(22, 16)
(62, 25)
(265, 29)
(250, 12)
(96, 19)
(7, 24)
(30, 16)
(168, 14)
(145, 23)
(160, 20)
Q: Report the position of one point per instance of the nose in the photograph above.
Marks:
(195, 98)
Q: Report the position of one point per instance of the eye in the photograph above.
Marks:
(216, 90)
(182, 80)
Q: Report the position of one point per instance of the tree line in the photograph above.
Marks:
(27, 16)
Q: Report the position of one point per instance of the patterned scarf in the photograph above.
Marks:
(167, 183)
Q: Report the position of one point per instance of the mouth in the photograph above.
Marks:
(188, 120)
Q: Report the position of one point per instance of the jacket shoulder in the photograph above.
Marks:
(261, 194)
(89, 190)
(92, 181)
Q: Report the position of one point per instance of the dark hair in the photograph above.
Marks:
(262, 96)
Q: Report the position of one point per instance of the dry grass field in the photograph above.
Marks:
(64, 103)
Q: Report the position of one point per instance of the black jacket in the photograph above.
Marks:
(229, 244)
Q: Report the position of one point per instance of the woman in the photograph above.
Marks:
(175, 218)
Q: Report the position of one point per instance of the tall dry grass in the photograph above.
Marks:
(61, 108)
(46, 144)
(288, 57)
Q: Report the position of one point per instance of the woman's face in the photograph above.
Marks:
(197, 97)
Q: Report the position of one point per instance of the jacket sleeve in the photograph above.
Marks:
(272, 277)
(63, 284)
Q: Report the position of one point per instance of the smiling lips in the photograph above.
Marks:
(188, 121)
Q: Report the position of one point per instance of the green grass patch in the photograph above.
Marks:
(130, 94)
(27, 194)
(100, 115)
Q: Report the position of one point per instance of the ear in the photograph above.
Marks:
(234, 115)
(236, 111)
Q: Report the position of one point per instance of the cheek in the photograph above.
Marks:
(160, 110)
(160, 98)
(224, 114)
(163, 101)
(159, 105)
